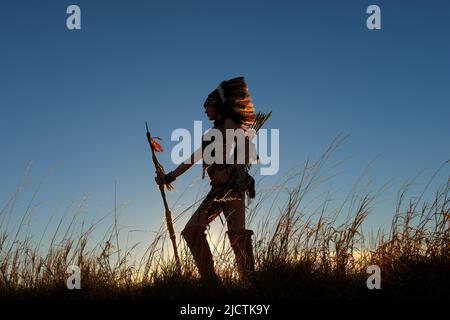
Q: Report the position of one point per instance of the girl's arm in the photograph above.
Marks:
(182, 168)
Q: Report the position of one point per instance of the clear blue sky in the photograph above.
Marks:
(76, 101)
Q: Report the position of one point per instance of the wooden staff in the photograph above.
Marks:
(169, 223)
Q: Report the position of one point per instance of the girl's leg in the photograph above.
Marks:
(194, 234)
(240, 238)
(234, 211)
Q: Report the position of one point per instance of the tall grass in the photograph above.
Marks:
(300, 252)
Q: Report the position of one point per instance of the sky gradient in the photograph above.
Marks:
(75, 102)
